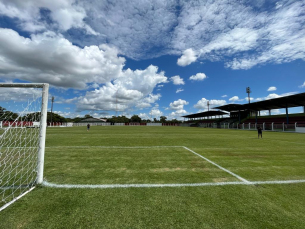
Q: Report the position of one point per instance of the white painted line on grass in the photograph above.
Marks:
(105, 186)
(116, 147)
(228, 171)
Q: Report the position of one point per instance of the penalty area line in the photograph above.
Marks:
(107, 186)
(222, 168)
(115, 147)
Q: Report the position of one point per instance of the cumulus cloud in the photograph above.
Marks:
(178, 104)
(132, 88)
(178, 107)
(187, 58)
(234, 99)
(202, 103)
(177, 114)
(156, 113)
(198, 77)
(148, 101)
(50, 58)
(179, 90)
(272, 89)
(224, 96)
(177, 80)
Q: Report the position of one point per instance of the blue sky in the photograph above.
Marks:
(153, 58)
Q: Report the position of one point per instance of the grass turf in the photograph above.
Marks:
(278, 156)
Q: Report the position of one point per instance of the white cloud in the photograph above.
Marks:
(234, 99)
(272, 89)
(65, 14)
(244, 31)
(50, 58)
(303, 85)
(177, 114)
(224, 96)
(178, 104)
(132, 88)
(281, 38)
(202, 104)
(147, 101)
(177, 80)
(198, 77)
(155, 113)
(19, 95)
(274, 95)
(236, 40)
(179, 90)
(178, 107)
(187, 58)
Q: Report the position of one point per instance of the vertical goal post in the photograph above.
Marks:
(14, 137)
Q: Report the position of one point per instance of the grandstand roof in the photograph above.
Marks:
(93, 120)
(205, 114)
(296, 100)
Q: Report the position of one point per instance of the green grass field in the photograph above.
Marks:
(119, 155)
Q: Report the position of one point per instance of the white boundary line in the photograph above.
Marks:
(105, 186)
(116, 147)
(233, 174)
(14, 200)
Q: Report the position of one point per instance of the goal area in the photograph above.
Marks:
(23, 120)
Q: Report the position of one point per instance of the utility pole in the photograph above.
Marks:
(52, 109)
(208, 103)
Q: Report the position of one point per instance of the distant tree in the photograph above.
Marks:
(55, 118)
(118, 119)
(135, 118)
(145, 121)
(2, 109)
(87, 116)
(163, 119)
(156, 120)
(8, 116)
(77, 119)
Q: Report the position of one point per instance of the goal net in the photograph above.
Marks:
(23, 112)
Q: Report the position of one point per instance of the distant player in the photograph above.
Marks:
(260, 132)
(88, 127)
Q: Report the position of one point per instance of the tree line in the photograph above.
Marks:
(11, 116)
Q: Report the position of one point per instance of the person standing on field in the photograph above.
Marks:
(260, 132)
(88, 127)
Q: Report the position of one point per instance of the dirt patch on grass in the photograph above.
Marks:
(162, 170)
(220, 179)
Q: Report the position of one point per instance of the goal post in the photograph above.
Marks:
(23, 118)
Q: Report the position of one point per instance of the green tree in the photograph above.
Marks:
(163, 119)
(135, 118)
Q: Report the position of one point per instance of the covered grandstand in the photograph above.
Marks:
(242, 115)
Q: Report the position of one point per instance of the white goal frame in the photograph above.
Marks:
(42, 131)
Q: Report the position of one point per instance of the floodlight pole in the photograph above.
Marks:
(248, 90)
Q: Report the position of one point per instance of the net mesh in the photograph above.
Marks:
(20, 112)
